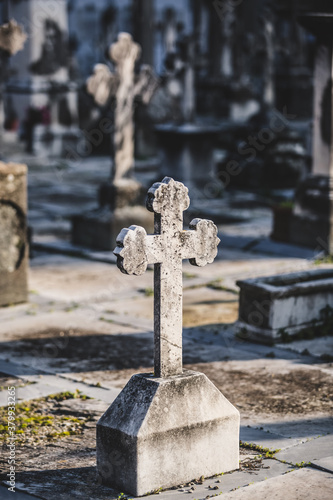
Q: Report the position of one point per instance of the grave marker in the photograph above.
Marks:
(119, 199)
(172, 426)
(13, 234)
(125, 86)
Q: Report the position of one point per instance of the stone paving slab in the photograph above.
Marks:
(313, 449)
(18, 495)
(322, 347)
(324, 463)
(265, 439)
(46, 384)
(68, 484)
(301, 428)
(301, 484)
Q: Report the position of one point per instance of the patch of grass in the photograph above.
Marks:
(326, 259)
(62, 396)
(189, 275)
(106, 320)
(35, 420)
(122, 496)
(149, 292)
(302, 464)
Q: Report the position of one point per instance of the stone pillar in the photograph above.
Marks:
(13, 234)
(312, 221)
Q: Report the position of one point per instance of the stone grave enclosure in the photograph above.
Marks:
(274, 306)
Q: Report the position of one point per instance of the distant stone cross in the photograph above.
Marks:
(125, 86)
(166, 248)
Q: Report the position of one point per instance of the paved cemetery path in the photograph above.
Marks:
(86, 330)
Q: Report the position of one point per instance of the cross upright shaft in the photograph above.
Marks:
(166, 249)
(168, 295)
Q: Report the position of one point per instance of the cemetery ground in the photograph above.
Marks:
(87, 329)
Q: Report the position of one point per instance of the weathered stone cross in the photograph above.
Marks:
(166, 248)
(125, 86)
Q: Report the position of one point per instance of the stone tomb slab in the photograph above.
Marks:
(286, 303)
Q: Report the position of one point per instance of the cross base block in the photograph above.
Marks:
(161, 432)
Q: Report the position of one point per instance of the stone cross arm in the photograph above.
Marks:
(135, 249)
(12, 37)
(102, 85)
(123, 83)
(166, 249)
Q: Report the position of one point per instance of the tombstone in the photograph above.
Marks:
(44, 99)
(274, 308)
(186, 149)
(99, 228)
(311, 223)
(13, 234)
(171, 426)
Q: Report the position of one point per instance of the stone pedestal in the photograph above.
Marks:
(161, 432)
(186, 153)
(13, 234)
(120, 205)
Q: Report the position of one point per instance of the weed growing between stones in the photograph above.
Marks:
(148, 292)
(41, 420)
(266, 451)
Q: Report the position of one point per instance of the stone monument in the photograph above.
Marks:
(99, 228)
(312, 221)
(170, 426)
(44, 99)
(13, 234)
